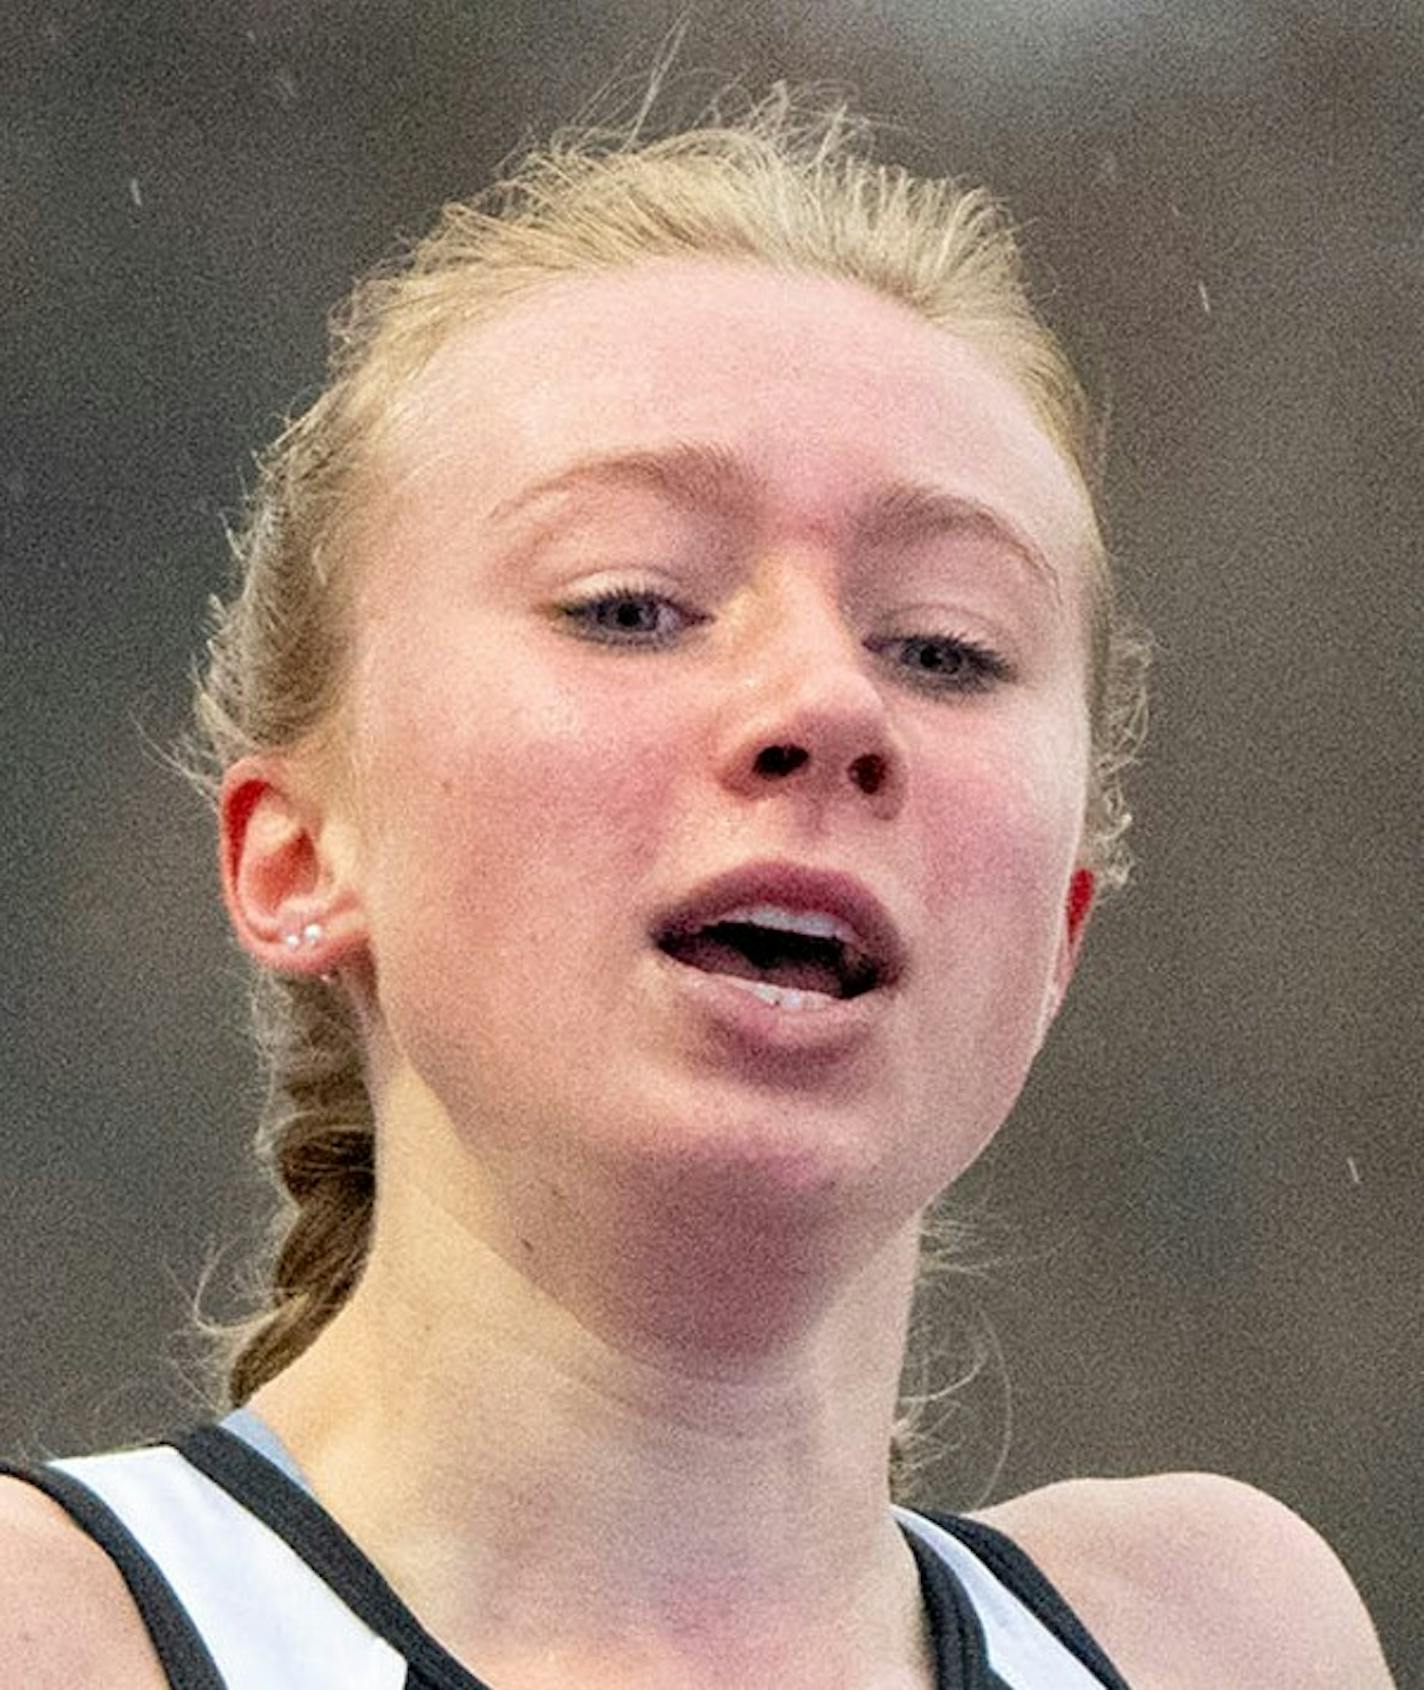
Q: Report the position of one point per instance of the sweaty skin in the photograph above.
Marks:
(613, 1398)
(620, 1275)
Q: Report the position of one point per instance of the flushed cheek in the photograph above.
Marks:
(511, 851)
(529, 815)
(1001, 843)
(1003, 822)
(998, 852)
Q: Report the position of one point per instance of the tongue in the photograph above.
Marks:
(715, 956)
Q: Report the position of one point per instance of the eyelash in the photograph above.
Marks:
(983, 668)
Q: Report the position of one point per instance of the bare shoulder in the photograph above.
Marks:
(66, 1618)
(1191, 1579)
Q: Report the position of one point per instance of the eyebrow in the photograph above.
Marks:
(698, 476)
(703, 477)
(909, 511)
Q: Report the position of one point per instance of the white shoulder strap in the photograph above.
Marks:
(268, 1620)
(1021, 1648)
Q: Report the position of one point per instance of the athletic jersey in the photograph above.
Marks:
(246, 1583)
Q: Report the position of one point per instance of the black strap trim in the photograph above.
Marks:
(181, 1650)
(961, 1654)
(962, 1661)
(1031, 1585)
(305, 1526)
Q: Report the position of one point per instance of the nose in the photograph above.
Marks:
(805, 719)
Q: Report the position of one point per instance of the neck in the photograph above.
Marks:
(560, 1496)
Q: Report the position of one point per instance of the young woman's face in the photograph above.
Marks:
(634, 536)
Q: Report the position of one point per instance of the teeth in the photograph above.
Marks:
(814, 923)
(784, 997)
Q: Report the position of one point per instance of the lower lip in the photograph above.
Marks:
(833, 1028)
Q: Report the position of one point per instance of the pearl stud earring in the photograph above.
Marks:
(312, 934)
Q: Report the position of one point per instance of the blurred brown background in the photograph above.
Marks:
(1206, 1217)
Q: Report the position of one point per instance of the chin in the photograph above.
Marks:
(781, 1171)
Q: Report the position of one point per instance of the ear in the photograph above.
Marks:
(1078, 906)
(288, 871)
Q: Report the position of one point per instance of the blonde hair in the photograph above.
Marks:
(778, 187)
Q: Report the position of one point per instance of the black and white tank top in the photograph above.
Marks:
(246, 1583)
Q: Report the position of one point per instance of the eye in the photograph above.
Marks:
(628, 615)
(949, 662)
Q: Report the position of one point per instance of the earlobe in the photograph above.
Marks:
(291, 904)
(1082, 888)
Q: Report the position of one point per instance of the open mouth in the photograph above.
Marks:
(775, 957)
(795, 935)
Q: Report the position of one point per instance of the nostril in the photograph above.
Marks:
(780, 759)
(868, 773)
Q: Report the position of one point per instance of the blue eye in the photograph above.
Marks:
(950, 663)
(631, 616)
(621, 616)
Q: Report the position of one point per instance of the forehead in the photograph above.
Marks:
(824, 388)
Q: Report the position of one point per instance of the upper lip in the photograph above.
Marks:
(795, 887)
